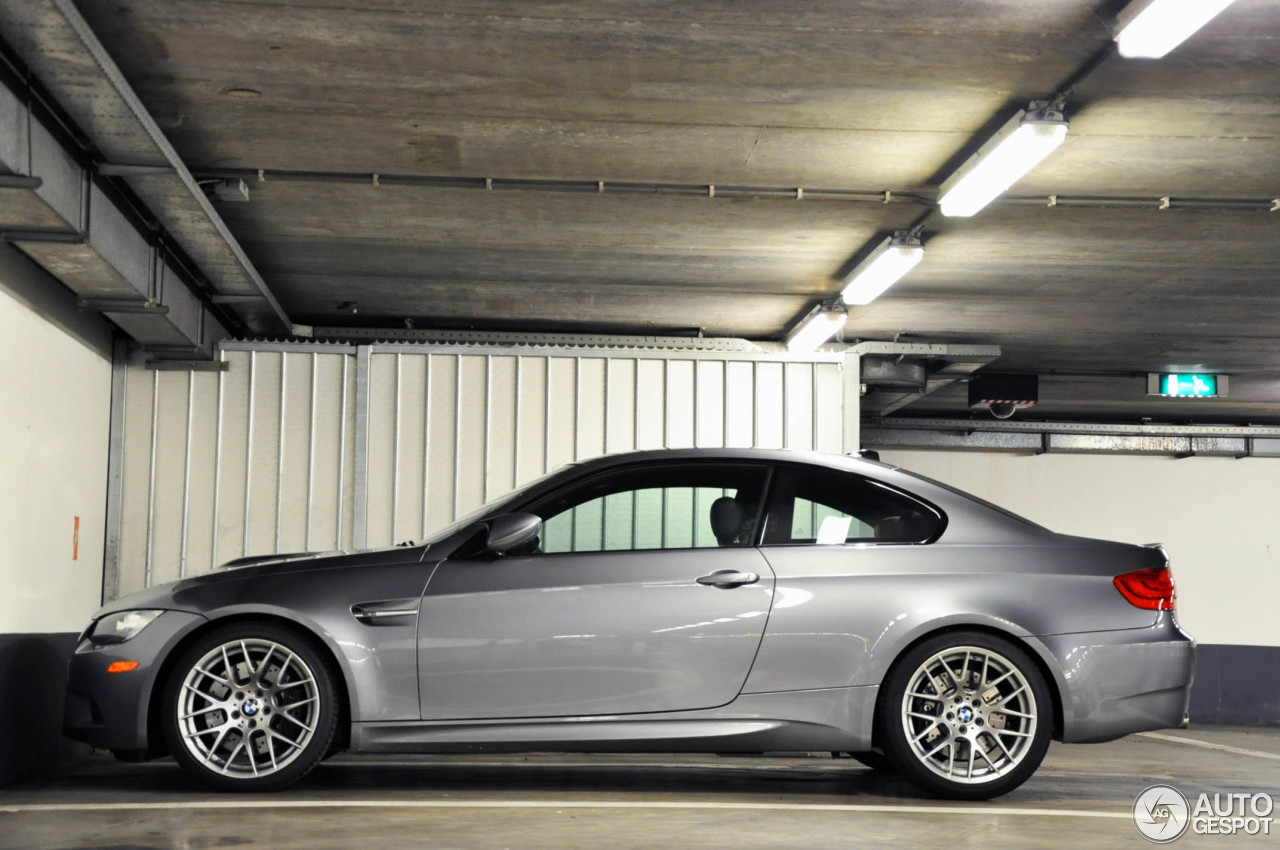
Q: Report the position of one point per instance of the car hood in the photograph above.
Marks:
(285, 557)
(170, 595)
(298, 562)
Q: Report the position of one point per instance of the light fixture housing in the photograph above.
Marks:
(1020, 145)
(815, 329)
(884, 267)
(1149, 29)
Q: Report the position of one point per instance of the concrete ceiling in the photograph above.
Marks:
(843, 99)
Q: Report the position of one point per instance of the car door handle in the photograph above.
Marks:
(728, 578)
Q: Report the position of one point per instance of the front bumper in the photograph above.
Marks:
(1120, 682)
(111, 710)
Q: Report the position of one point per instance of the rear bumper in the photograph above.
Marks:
(1115, 683)
(111, 710)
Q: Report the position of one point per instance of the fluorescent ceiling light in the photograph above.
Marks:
(886, 265)
(815, 329)
(1021, 144)
(1151, 28)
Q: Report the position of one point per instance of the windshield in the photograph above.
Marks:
(492, 508)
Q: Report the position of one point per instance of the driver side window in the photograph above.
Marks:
(655, 507)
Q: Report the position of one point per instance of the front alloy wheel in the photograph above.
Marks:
(966, 716)
(250, 706)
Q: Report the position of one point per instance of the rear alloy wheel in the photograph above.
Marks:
(250, 707)
(966, 716)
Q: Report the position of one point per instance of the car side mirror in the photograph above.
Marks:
(508, 531)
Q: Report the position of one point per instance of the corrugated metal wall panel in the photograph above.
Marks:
(258, 458)
(267, 456)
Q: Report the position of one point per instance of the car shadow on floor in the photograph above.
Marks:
(358, 777)
(833, 779)
(801, 780)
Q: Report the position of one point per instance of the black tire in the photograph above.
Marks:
(264, 726)
(874, 759)
(965, 716)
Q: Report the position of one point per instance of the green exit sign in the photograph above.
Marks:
(1186, 385)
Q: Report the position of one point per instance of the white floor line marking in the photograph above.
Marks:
(1192, 742)
(976, 810)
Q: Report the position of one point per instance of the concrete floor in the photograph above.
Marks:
(1081, 796)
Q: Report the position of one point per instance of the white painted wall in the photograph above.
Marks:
(55, 381)
(1219, 518)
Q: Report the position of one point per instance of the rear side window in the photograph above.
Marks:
(827, 507)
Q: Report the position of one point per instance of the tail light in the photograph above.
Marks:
(1150, 589)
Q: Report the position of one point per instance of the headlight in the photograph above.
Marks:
(121, 626)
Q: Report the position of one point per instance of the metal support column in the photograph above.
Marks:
(852, 406)
(360, 533)
(115, 472)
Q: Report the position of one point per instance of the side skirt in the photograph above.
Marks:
(835, 719)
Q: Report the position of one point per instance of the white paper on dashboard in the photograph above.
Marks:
(834, 530)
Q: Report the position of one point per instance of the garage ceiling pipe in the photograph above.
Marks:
(260, 176)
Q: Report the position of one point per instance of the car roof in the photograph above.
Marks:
(982, 517)
(721, 453)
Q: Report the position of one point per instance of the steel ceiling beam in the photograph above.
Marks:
(78, 230)
(1049, 442)
(1072, 437)
(1097, 429)
(944, 363)
(54, 40)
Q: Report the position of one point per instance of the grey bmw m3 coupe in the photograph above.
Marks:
(713, 600)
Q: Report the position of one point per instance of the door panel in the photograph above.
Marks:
(611, 632)
(846, 584)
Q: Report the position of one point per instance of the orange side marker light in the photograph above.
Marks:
(123, 666)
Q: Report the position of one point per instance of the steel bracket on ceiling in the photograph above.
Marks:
(87, 235)
(60, 237)
(930, 350)
(121, 305)
(458, 337)
(894, 372)
(19, 181)
(54, 34)
(120, 169)
(923, 367)
(175, 365)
